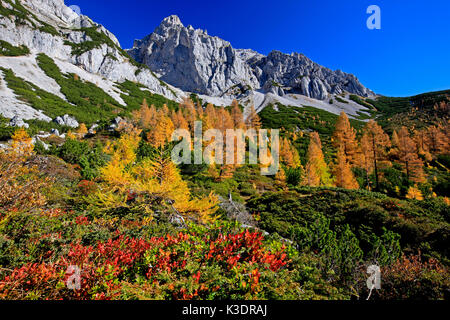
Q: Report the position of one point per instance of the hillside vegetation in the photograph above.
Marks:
(112, 205)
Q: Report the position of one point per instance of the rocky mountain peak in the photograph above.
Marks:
(172, 20)
(194, 61)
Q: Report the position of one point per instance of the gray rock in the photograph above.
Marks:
(196, 62)
(92, 129)
(18, 122)
(117, 120)
(192, 60)
(67, 120)
(106, 60)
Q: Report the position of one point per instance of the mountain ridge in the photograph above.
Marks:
(194, 61)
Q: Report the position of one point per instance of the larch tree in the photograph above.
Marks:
(82, 130)
(22, 143)
(436, 140)
(237, 115)
(289, 154)
(156, 176)
(317, 172)
(280, 179)
(253, 120)
(406, 152)
(345, 136)
(420, 138)
(344, 177)
(21, 184)
(161, 133)
(374, 144)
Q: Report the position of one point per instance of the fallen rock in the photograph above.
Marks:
(68, 121)
(18, 122)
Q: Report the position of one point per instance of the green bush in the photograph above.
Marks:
(7, 49)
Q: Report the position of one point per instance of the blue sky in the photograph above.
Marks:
(409, 55)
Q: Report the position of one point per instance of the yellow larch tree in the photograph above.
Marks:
(316, 171)
(436, 140)
(21, 184)
(156, 176)
(82, 131)
(414, 193)
(161, 133)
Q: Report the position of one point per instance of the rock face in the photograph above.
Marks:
(18, 122)
(68, 121)
(193, 61)
(53, 28)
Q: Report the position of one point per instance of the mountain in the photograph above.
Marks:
(77, 46)
(194, 61)
(54, 62)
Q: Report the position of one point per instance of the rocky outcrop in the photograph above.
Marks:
(18, 122)
(194, 61)
(68, 121)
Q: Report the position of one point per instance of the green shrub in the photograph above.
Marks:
(7, 49)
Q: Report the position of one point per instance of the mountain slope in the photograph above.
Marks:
(75, 43)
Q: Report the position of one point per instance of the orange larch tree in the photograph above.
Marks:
(345, 136)
(374, 144)
(253, 120)
(344, 177)
(406, 152)
(317, 172)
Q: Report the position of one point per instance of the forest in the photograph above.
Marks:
(110, 207)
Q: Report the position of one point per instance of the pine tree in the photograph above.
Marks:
(317, 172)
(374, 143)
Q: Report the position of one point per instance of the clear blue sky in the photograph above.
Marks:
(409, 55)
